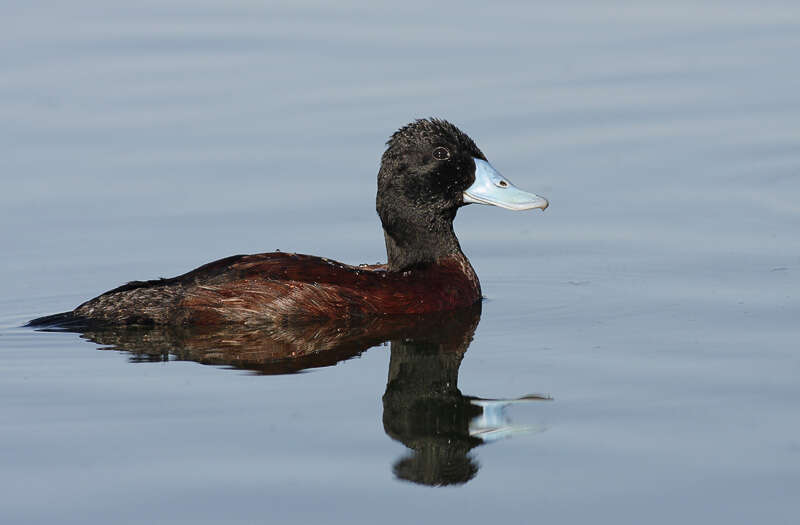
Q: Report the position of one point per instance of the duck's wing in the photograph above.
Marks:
(234, 289)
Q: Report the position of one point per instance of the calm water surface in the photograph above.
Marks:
(654, 306)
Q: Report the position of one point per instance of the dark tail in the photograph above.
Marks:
(62, 320)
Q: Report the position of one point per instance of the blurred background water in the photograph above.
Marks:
(656, 301)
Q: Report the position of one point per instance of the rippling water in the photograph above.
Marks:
(653, 308)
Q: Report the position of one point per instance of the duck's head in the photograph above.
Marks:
(429, 170)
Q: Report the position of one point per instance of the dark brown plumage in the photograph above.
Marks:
(280, 286)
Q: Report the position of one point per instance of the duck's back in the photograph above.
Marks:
(273, 287)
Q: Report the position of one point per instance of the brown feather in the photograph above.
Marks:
(274, 287)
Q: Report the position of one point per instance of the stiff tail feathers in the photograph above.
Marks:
(62, 320)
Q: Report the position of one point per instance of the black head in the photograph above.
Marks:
(430, 169)
(428, 164)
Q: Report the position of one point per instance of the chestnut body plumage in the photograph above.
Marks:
(429, 170)
(278, 286)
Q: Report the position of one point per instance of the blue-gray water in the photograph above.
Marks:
(656, 301)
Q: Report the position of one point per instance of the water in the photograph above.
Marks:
(655, 302)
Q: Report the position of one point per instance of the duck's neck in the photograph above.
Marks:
(417, 243)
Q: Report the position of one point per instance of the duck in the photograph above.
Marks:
(429, 170)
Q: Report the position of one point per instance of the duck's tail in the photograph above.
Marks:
(62, 320)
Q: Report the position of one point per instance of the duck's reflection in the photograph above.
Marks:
(422, 406)
(424, 409)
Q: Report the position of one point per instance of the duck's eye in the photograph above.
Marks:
(441, 153)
